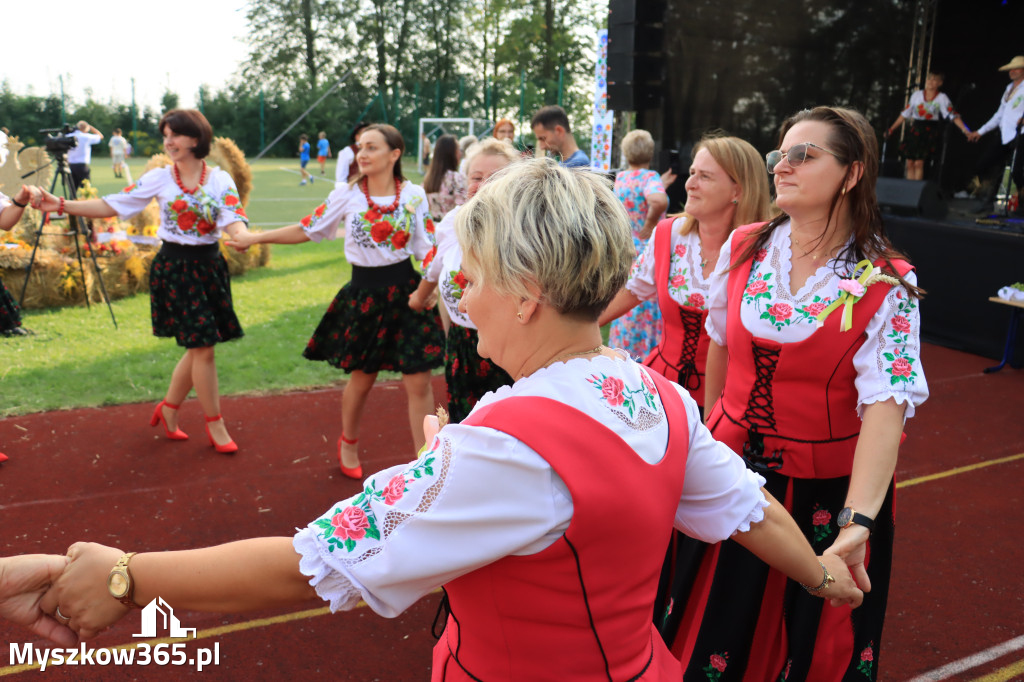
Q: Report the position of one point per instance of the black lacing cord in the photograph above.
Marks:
(688, 376)
(586, 602)
(760, 409)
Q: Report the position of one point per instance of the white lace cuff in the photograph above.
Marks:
(882, 396)
(756, 514)
(330, 585)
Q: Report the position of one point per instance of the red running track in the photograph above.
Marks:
(103, 475)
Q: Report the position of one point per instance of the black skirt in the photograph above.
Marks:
(190, 296)
(369, 325)
(10, 313)
(469, 376)
(921, 140)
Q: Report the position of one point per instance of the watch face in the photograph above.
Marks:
(117, 583)
(845, 517)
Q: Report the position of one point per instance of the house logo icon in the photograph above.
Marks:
(170, 622)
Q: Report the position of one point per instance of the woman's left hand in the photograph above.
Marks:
(844, 591)
(81, 591)
(24, 581)
(667, 178)
(851, 546)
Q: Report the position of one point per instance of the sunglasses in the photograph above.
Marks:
(796, 155)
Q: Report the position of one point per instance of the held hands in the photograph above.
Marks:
(851, 548)
(42, 199)
(241, 240)
(844, 591)
(24, 581)
(81, 591)
(973, 136)
(420, 302)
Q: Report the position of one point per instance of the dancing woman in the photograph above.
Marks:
(369, 326)
(468, 375)
(727, 187)
(189, 285)
(527, 513)
(816, 319)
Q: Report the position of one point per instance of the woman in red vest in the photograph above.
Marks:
(727, 187)
(816, 319)
(544, 515)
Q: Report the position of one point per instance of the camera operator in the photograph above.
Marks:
(80, 155)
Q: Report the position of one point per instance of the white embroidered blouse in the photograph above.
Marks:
(373, 239)
(686, 283)
(477, 495)
(446, 269)
(920, 109)
(185, 218)
(888, 364)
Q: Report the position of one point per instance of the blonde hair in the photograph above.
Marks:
(637, 147)
(491, 146)
(538, 225)
(744, 166)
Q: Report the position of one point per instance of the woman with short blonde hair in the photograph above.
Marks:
(643, 195)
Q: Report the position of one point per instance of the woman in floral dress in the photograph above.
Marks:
(642, 194)
(527, 513)
(727, 187)
(444, 184)
(468, 375)
(816, 319)
(189, 285)
(369, 327)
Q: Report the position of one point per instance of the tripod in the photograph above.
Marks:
(63, 173)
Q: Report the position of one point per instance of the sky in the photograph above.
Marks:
(103, 44)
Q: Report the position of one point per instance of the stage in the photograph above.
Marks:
(961, 264)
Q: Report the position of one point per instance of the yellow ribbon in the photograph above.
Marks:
(847, 299)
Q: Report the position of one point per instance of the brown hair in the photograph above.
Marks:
(442, 160)
(853, 140)
(394, 140)
(190, 123)
(744, 166)
(550, 116)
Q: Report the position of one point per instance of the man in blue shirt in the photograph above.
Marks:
(551, 127)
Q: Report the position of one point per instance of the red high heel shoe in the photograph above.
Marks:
(158, 418)
(354, 472)
(3, 457)
(227, 449)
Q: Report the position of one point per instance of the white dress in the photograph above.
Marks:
(477, 494)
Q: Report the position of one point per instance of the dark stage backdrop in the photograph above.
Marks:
(745, 65)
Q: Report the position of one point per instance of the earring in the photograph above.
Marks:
(519, 315)
(843, 191)
(735, 201)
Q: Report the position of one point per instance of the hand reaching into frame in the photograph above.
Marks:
(24, 580)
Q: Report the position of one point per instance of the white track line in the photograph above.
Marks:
(972, 661)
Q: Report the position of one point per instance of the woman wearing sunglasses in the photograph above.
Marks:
(816, 319)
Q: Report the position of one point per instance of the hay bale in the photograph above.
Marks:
(226, 154)
(55, 281)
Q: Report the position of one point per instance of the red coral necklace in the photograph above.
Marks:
(364, 185)
(181, 185)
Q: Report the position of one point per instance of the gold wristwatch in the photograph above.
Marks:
(119, 582)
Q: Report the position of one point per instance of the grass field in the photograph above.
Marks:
(77, 358)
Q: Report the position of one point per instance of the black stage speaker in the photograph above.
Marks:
(636, 33)
(911, 198)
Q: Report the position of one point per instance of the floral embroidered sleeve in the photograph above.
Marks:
(422, 239)
(641, 277)
(718, 298)
(137, 196)
(457, 187)
(445, 231)
(417, 526)
(889, 363)
(231, 209)
(322, 223)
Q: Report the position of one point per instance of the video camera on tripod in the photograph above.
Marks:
(59, 140)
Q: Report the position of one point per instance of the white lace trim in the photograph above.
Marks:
(905, 398)
(756, 514)
(330, 585)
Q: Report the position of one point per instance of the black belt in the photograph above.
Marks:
(384, 276)
(190, 251)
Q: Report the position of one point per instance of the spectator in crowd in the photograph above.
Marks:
(323, 151)
(304, 159)
(505, 130)
(118, 151)
(80, 156)
(444, 184)
(347, 168)
(551, 127)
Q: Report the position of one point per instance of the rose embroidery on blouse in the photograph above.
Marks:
(810, 311)
(458, 283)
(616, 394)
(695, 300)
(357, 520)
(195, 214)
(779, 314)
(758, 289)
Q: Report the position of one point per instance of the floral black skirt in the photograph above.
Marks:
(921, 141)
(369, 325)
(469, 376)
(190, 296)
(10, 314)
